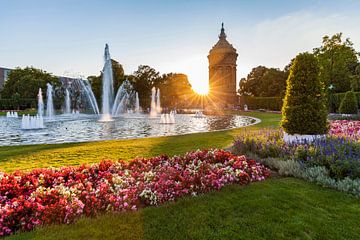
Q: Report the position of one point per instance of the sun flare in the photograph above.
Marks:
(201, 89)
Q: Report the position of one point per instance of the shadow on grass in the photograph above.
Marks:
(282, 208)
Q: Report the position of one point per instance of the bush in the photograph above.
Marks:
(349, 104)
(269, 103)
(304, 109)
(335, 100)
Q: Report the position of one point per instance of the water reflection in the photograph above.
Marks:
(87, 128)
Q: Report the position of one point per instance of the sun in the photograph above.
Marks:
(202, 90)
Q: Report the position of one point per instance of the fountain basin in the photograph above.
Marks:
(85, 128)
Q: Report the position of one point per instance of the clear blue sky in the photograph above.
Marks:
(68, 36)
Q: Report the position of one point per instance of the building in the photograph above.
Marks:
(222, 73)
(4, 73)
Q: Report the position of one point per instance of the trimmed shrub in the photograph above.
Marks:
(255, 103)
(304, 109)
(349, 104)
(336, 99)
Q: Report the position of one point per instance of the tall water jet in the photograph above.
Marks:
(158, 105)
(108, 88)
(49, 102)
(85, 85)
(40, 103)
(153, 111)
(67, 102)
(137, 103)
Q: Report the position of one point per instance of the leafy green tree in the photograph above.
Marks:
(304, 110)
(349, 104)
(249, 86)
(118, 76)
(264, 82)
(26, 82)
(338, 61)
(355, 80)
(143, 80)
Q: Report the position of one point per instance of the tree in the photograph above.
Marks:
(249, 87)
(264, 82)
(118, 76)
(349, 104)
(338, 61)
(304, 110)
(26, 82)
(355, 80)
(143, 80)
(175, 90)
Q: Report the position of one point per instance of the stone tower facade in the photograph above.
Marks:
(222, 73)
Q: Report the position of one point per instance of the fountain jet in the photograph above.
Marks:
(40, 103)
(49, 102)
(108, 87)
(67, 102)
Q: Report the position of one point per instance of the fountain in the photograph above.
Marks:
(49, 102)
(199, 114)
(108, 88)
(40, 103)
(32, 122)
(12, 114)
(158, 105)
(137, 104)
(67, 102)
(167, 118)
(85, 85)
(155, 107)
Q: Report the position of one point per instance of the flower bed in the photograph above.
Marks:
(345, 128)
(340, 155)
(46, 196)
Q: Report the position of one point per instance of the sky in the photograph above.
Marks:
(67, 37)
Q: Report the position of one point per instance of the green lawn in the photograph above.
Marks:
(284, 208)
(56, 155)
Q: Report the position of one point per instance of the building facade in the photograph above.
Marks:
(4, 73)
(222, 73)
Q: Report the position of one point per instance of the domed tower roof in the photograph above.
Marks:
(222, 45)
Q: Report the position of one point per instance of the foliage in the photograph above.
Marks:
(339, 155)
(255, 103)
(349, 104)
(118, 76)
(25, 83)
(315, 174)
(144, 79)
(355, 80)
(263, 82)
(304, 109)
(334, 100)
(338, 62)
(47, 196)
(175, 90)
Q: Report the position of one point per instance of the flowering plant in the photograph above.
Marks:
(46, 196)
(345, 128)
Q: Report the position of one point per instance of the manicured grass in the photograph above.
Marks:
(57, 155)
(283, 208)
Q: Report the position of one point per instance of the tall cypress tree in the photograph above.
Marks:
(304, 110)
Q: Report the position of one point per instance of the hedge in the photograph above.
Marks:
(21, 104)
(268, 103)
(335, 101)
